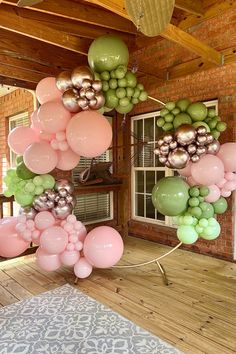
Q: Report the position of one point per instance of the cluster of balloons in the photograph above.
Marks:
(175, 150)
(184, 112)
(61, 242)
(108, 56)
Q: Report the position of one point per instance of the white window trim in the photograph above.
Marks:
(168, 172)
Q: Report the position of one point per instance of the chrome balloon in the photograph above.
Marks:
(62, 212)
(201, 130)
(64, 183)
(191, 149)
(97, 85)
(80, 74)
(213, 147)
(201, 150)
(86, 83)
(168, 138)
(70, 101)
(185, 134)
(63, 81)
(195, 158)
(178, 158)
(29, 212)
(173, 145)
(201, 139)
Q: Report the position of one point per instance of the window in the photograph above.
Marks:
(93, 207)
(18, 120)
(147, 170)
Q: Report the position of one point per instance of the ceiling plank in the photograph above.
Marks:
(17, 83)
(83, 13)
(10, 21)
(20, 74)
(185, 39)
(194, 7)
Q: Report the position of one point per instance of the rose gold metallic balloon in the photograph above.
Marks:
(191, 149)
(82, 92)
(201, 130)
(195, 158)
(210, 138)
(185, 134)
(168, 164)
(178, 158)
(173, 145)
(83, 103)
(213, 147)
(157, 151)
(79, 74)
(164, 149)
(70, 101)
(100, 100)
(201, 150)
(92, 103)
(160, 142)
(168, 138)
(163, 159)
(90, 94)
(97, 85)
(63, 81)
(86, 83)
(201, 139)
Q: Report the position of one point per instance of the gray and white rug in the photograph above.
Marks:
(67, 321)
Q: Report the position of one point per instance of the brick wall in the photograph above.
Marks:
(218, 83)
(11, 104)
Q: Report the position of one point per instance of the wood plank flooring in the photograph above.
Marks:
(196, 312)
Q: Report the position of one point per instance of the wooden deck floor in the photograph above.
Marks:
(196, 312)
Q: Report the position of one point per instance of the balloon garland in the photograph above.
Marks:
(70, 124)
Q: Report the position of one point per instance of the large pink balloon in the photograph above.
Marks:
(11, 244)
(208, 170)
(47, 90)
(53, 117)
(103, 247)
(69, 258)
(48, 262)
(20, 138)
(44, 220)
(186, 171)
(89, 134)
(67, 160)
(54, 240)
(227, 154)
(35, 124)
(40, 158)
(82, 268)
(214, 194)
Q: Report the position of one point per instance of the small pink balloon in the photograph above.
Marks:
(225, 193)
(44, 220)
(11, 244)
(221, 183)
(69, 258)
(214, 194)
(53, 116)
(191, 181)
(208, 170)
(227, 154)
(54, 240)
(89, 134)
(47, 90)
(67, 160)
(186, 172)
(230, 186)
(48, 262)
(46, 136)
(20, 138)
(230, 176)
(103, 247)
(82, 268)
(40, 158)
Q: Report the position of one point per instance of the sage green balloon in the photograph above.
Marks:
(211, 232)
(19, 159)
(187, 234)
(197, 111)
(183, 104)
(107, 52)
(24, 199)
(111, 99)
(170, 196)
(124, 109)
(220, 206)
(208, 211)
(181, 118)
(48, 181)
(23, 172)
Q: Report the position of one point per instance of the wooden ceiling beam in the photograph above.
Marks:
(17, 83)
(83, 13)
(10, 21)
(192, 6)
(21, 74)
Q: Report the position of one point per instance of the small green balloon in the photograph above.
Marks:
(199, 229)
(136, 92)
(204, 191)
(169, 117)
(170, 105)
(105, 75)
(112, 100)
(38, 190)
(221, 126)
(113, 74)
(48, 181)
(19, 159)
(11, 172)
(125, 109)
(163, 112)
(24, 199)
(167, 126)
(182, 118)
(215, 134)
(208, 212)
(175, 111)
(135, 100)
(107, 53)
(143, 96)
(105, 86)
(193, 202)
(122, 82)
(203, 222)
(140, 87)
(120, 92)
(23, 172)
(188, 220)
(8, 193)
(170, 196)
(183, 104)
(211, 232)
(196, 211)
(120, 71)
(187, 234)
(160, 122)
(211, 112)
(30, 187)
(38, 180)
(220, 206)
(197, 111)
(201, 124)
(123, 102)
(213, 123)
(131, 79)
(113, 84)
(129, 91)
(194, 191)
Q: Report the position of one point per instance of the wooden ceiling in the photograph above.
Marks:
(55, 35)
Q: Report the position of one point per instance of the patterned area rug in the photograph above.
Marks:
(68, 321)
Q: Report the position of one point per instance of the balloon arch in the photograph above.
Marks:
(70, 124)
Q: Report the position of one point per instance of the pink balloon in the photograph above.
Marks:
(40, 158)
(225, 193)
(82, 233)
(221, 183)
(191, 181)
(48, 262)
(20, 138)
(227, 154)
(11, 244)
(214, 194)
(53, 116)
(103, 247)
(208, 170)
(230, 176)
(35, 124)
(54, 240)
(89, 134)
(47, 90)
(44, 220)
(69, 258)
(46, 136)
(82, 268)
(186, 171)
(230, 186)
(67, 160)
